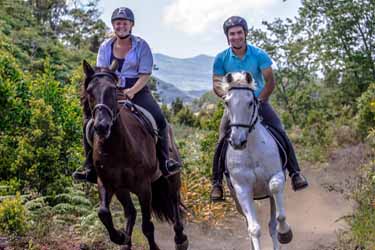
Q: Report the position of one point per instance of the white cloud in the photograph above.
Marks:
(198, 16)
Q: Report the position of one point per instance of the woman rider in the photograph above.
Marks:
(135, 66)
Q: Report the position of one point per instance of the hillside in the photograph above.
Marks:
(188, 74)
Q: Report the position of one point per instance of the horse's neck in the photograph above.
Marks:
(120, 140)
(258, 135)
(123, 133)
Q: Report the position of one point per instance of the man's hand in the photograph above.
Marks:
(129, 93)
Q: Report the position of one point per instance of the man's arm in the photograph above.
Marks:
(217, 85)
(269, 84)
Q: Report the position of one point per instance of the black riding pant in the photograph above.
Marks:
(145, 99)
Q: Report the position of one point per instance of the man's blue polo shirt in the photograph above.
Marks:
(254, 61)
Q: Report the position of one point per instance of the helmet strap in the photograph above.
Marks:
(124, 37)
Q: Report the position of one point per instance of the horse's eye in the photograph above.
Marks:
(251, 103)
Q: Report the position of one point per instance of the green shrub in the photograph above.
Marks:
(363, 221)
(366, 111)
(13, 216)
(186, 117)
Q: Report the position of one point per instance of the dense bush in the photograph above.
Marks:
(366, 110)
(13, 218)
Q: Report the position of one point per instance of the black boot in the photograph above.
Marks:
(217, 175)
(89, 174)
(167, 166)
(299, 182)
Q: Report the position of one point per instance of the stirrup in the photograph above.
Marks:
(217, 193)
(302, 184)
(171, 167)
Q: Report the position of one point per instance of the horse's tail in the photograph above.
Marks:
(162, 202)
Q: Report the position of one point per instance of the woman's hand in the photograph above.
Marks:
(129, 93)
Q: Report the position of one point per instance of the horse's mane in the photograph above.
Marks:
(238, 79)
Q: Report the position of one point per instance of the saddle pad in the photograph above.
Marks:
(143, 115)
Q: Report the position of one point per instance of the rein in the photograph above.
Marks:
(251, 124)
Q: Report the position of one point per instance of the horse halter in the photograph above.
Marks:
(252, 123)
(102, 105)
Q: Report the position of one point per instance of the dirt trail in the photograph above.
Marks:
(312, 213)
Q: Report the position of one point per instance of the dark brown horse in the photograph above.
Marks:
(124, 154)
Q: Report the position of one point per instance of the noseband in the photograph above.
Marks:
(102, 105)
(251, 124)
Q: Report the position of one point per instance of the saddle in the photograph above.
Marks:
(141, 114)
(221, 149)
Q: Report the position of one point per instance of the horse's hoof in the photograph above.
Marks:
(122, 238)
(183, 246)
(285, 238)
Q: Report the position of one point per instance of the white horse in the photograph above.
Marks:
(253, 161)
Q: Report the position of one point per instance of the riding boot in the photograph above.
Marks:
(299, 182)
(167, 166)
(89, 174)
(217, 176)
(217, 193)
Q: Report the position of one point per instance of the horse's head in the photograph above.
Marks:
(241, 105)
(100, 90)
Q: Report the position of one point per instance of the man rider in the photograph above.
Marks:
(241, 56)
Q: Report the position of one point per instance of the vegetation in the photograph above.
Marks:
(325, 96)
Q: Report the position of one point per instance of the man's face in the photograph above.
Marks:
(122, 27)
(237, 37)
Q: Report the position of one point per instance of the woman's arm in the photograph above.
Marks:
(140, 83)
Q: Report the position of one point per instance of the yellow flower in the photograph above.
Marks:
(372, 105)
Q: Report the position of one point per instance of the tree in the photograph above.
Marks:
(177, 105)
(83, 27)
(344, 41)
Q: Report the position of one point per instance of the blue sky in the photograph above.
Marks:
(186, 28)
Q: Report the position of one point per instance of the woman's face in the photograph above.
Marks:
(122, 28)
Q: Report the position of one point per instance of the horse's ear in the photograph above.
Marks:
(249, 78)
(114, 66)
(89, 71)
(228, 78)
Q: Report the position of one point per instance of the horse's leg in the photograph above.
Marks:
(273, 224)
(244, 193)
(147, 225)
(105, 216)
(130, 213)
(180, 238)
(276, 186)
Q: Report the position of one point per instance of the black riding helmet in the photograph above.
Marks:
(235, 21)
(122, 13)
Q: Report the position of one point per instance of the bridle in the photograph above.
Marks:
(251, 124)
(99, 106)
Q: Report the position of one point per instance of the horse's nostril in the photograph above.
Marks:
(243, 143)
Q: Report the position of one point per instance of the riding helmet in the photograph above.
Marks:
(122, 13)
(235, 21)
